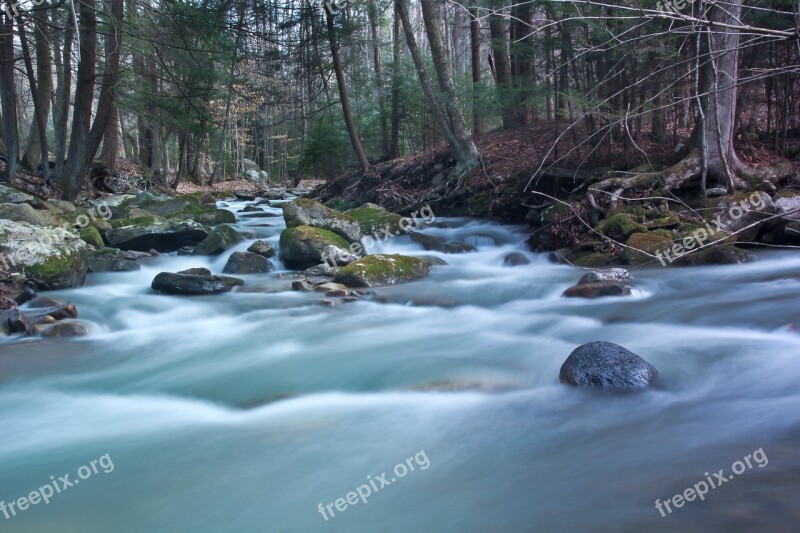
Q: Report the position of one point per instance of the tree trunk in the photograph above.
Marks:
(75, 168)
(63, 63)
(394, 146)
(475, 53)
(502, 67)
(376, 59)
(466, 151)
(44, 82)
(8, 95)
(40, 118)
(358, 148)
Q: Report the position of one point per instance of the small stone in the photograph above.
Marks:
(66, 330)
(515, 259)
(597, 290)
(262, 248)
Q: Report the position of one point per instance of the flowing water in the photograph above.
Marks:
(243, 412)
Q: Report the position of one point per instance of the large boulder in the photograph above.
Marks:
(788, 205)
(220, 239)
(375, 270)
(303, 246)
(22, 213)
(247, 263)
(151, 233)
(305, 212)
(374, 219)
(55, 258)
(608, 366)
(726, 254)
(193, 285)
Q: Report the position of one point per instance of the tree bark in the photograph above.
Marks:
(358, 148)
(475, 53)
(376, 59)
(502, 67)
(466, 151)
(8, 95)
(394, 146)
(40, 116)
(44, 82)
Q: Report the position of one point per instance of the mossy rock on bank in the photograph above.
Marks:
(302, 246)
(54, 258)
(716, 255)
(204, 215)
(592, 259)
(649, 242)
(620, 226)
(373, 218)
(376, 270)
(90, 235)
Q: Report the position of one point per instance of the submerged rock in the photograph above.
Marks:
(305, 212)
(429, 242)
(65, 330)
(375, 270)
(515, 259)
(597, 290)
(193, 285)
(247, 263)
(608, 366)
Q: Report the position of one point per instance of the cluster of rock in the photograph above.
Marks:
(41, 316)
(599, 283)
(659, 234)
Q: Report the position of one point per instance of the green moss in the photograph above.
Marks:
(55, 268)
(340, 204)
(374, 219)
(376, 270)
(592, 260)
(553, 212)
(304, 233)
(620, 226)
(650, 242)
(90, 235)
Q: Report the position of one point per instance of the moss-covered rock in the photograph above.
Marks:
(306, 212)
(373, 218)
(649, 242)
(90, 235)
(592, 259)
(22, 213)
(716, 255)
(54, 258)
(375, 270)
(220, 239)
(620, 226)
(552, 213)
(204, 215)
(302, 246)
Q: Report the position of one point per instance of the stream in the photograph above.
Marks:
(243, 412)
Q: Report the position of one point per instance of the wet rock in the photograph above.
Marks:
(788, 206)
(262, 248)
(611, 274)
(433, 260)
(42, 302)
(302, 285)
(111, 260)
(322, 270)
(376, 270)
(608, 366)
(328, 303)
(305, 212)
(25, 296)
(207, 200)
(597, 290)
(716, 192)
(220, 239)
(247, 263)
(244, 195)
(15, 321)
(145, 233)
(562, 256)
(303, 246)
(716, 255)
(328, 286)
(515, 259)
(90, 235)
(61, 312)
(260, 215)
(429, 242)
(198, 271)
(251, 209)
(192, 285)
(63, 330)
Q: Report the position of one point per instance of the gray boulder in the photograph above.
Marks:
(220, 239)
(144, 234)
(305, 212)
(247, 263)
(193, 285)
(606, 365)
